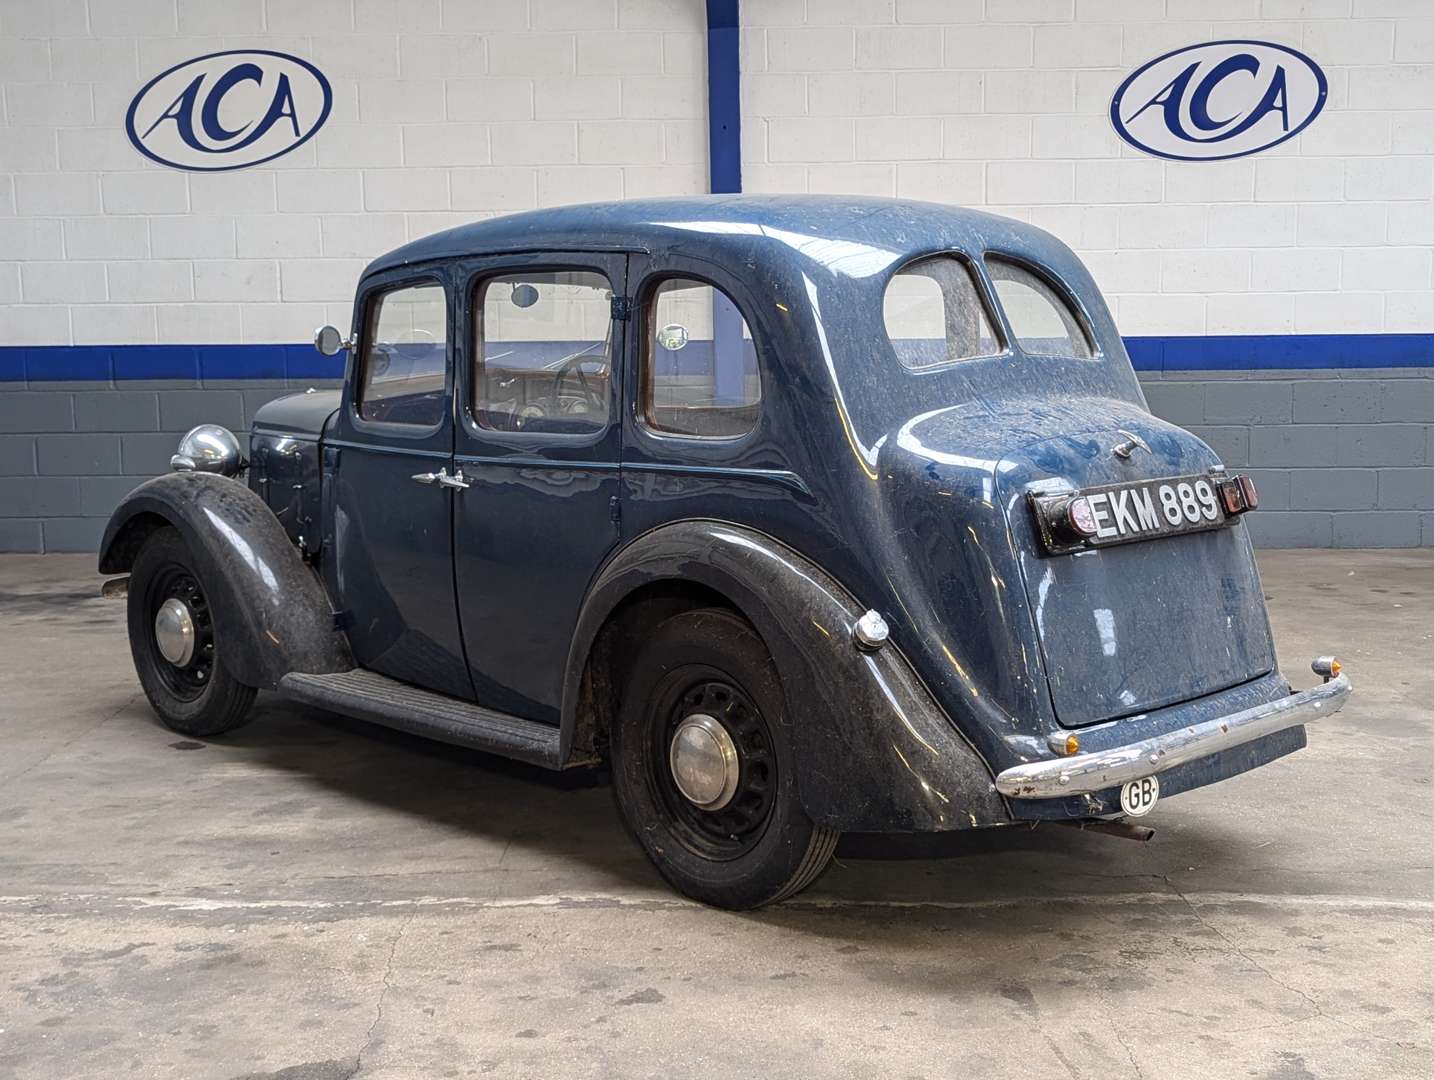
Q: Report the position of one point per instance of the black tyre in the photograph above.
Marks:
(177, 655)
(719, 816)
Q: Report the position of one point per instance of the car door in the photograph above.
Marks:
(538, 442)
(392, 511)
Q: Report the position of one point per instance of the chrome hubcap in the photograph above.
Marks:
(174, 632)
(703, 759)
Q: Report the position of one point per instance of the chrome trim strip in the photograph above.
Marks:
(717, 472)
(375, 448)
(519, 461)
(280, 433)
(1081, 774)
(722, 472)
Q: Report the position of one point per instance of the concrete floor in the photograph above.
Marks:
(312, 898)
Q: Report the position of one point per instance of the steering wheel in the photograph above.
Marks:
(573, 365)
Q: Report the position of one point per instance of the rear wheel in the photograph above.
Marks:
(177, 654)
(703, 768)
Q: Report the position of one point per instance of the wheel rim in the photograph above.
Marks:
(181, 632)
(700, 717)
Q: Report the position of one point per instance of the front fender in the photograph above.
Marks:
(875, 753)
(265, 599)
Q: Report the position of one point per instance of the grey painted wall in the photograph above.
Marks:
(1342, 458)
(70, 451)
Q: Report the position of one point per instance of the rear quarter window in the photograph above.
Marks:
(934, 314)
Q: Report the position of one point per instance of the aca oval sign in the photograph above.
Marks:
(228, 110)
(1223, 99)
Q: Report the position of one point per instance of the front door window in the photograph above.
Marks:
(405, 357)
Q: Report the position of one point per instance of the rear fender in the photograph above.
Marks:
(875, 753)
(266, 600)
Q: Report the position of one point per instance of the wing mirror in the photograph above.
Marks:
(329, 341)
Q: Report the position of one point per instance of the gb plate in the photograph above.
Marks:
(1138, 797)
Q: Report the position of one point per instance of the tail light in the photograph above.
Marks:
(1080, 518)
(1238, 494)
(1247, 489)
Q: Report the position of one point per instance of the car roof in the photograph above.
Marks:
(830, 229)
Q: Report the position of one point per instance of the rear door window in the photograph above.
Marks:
(700, 367)
(934, 314)
(1043, 322)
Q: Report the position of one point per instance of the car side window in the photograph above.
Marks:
(543, 355)
(405, 357)
(700, 364)
(934, 315)
(1041, 320)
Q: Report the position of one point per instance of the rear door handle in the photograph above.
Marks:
(457, 480)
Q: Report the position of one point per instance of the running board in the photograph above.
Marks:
(367, 695)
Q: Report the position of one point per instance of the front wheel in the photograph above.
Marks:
(703, 769)
(177, 654)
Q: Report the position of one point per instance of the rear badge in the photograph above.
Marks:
(1137, 798)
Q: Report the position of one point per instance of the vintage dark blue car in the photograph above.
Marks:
(808, 515)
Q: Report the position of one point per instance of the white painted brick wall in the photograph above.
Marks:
(450, 110)
(1329, 232)
(444, 111)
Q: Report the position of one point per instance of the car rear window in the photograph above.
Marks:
(934, 314)
(1043, 322)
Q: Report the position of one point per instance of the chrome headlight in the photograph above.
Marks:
(208, 448)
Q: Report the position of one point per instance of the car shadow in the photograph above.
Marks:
(546, 817)
(539, 816)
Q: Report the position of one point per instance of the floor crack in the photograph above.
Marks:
(1318, 1009)
(1129, 1054)
(71, 742)
(382, 995)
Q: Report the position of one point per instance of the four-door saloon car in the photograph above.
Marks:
(807, 514)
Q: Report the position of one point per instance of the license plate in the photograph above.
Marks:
(1124, 513)
(1137, 798)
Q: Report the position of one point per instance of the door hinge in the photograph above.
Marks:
(614, 511)
(621, 308)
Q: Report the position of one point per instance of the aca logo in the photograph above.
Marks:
(1224, 99)
(228, 110)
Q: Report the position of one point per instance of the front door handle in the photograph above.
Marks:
(431, 477)
(457, 480)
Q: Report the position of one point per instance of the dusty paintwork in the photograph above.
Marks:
(862, 485)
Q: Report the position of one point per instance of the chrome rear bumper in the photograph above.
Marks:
(1080, 774)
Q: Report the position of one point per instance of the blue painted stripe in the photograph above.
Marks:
(724, 98)
(121, 363)
(1275, 352)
